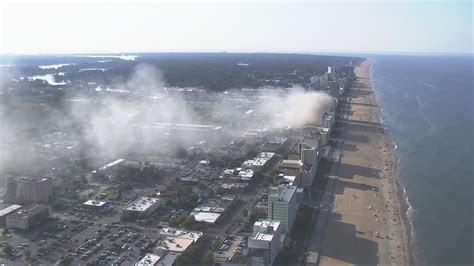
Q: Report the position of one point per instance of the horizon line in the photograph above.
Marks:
(322, 52)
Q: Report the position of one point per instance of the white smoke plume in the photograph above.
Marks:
(131, 121)
(298, 108)
(115, 125)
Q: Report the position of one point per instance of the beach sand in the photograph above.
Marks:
(367, 223)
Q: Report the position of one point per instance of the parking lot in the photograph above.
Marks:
(112, 244)
(47, 242)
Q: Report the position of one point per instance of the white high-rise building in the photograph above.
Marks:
(266, 236)
(328, 120)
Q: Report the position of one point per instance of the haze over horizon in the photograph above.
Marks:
(305, 27)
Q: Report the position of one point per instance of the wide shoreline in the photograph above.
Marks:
(404, 205)
(367, 223)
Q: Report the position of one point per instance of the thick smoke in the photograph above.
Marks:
(298, 108)
(135, 115)
(117, 124)
(145, 79)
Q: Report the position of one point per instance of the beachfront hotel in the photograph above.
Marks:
(282, 205)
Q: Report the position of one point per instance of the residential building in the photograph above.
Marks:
(29, 189)
(334, 88)
(327, 120)
(320, 82)
(25, 219)
(304, 170)
(282, 205)
(266, 236)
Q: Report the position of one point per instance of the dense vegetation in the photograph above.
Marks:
(213, 71)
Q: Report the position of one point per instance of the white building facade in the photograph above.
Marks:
(266, 236)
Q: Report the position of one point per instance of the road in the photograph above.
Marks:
(316, 242)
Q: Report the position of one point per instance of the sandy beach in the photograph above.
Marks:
(367, 223)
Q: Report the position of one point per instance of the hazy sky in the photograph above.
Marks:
(103, 26)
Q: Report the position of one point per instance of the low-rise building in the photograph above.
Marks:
(142, 206)
(96, 205)
(274, 145)
(25, 219)
(175, 240)
(7, 211)
(234, 185)
(151, 259)
(112, 164)
(210, 210)
(239, 174)
(266, 236)
(262, 160)
(148, 260)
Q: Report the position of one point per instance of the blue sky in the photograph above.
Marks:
(319, 26)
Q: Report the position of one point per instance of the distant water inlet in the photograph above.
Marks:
(49, 78)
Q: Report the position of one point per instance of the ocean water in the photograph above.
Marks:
(427, 106)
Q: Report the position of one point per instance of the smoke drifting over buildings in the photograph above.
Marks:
(298, 108)
(140, 113)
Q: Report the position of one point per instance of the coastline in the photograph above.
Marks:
(368, 223)
(407, 228)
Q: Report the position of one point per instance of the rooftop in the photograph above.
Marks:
(141, 204)
(267, 226)
(217, 205)
(282, 192)
(262, 236)
(236, 185)
(290, 163)
(265, 230)
(239, 174)
(113, 163)
(278, 140)
(32, 179)
(260, 160)
(28, 213)
(206, 217)
(95, 203)
(182, 233)
(9, 209)
(148, 260)
(177, 240)
(168, 259)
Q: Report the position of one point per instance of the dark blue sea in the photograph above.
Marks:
(427, 106)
